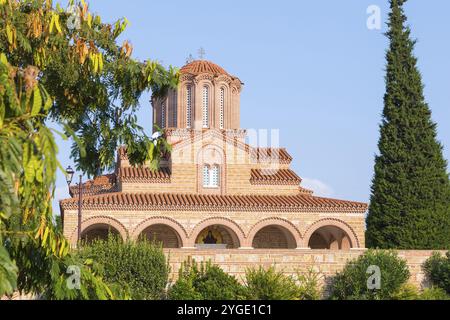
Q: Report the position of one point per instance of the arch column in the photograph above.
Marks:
(177, 227)
(350, 241)
(99, 220)
(277, 222)
(224, 222)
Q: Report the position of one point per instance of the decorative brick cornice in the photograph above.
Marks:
(270, 155)
(143, 175)
(305, 191)
(274, 177)
(194, 202)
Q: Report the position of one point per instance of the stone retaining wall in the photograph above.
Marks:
(325, 262)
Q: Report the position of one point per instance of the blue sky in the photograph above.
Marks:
(311, 69)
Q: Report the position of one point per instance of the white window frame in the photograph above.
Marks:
(222, 107)
(206, 176)
(163, 115)
(189, 106)
(211, 176)
(214, 176)
(205, 106)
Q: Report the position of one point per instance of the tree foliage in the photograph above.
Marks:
(34, 255)
(63, 66)
(205, 282)
(410, 202)
(140, 267)
(95, 83)
(351, 282)
(437, 269)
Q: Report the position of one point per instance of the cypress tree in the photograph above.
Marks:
(410, 201)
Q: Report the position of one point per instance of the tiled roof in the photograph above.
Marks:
(278, 176)
(101, 184)
(271, 155)
(194, 202)
(305, 191)
(203, 66)
(137, 174)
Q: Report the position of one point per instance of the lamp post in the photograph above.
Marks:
(69, 176)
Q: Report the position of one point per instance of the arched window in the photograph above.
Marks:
(214, 177)
(205, 176)
(163, 115)
(188, 106)
(205, 107)
(174, 112)
(222, 107)
(211, 176)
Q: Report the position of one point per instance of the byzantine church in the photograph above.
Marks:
(215, 190)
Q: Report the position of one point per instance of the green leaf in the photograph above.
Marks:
(8, 273)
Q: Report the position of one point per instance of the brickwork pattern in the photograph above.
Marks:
(326, 262)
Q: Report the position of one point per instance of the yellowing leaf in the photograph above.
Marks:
(9, 34)
(3, 58)
(100, 62)
(61, 249)
(96, 63)
(37, 102)
(57, 25)
(89, 20)
(52, 24)
(44, 238)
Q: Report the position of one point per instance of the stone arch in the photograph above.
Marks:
(165, 221)
(100, 221)
(233, 228)
(348, 240)
(287, 228)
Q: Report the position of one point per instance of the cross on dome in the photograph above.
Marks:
(201, 53)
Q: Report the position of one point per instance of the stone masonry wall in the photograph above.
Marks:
(326, 262)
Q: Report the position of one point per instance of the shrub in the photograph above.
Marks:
(269, 284)
(407, 291)
(437, 269)
(141, 267)
(308, 285)
(184, 289)
(205, 282)
(434, 293)
(351, 283)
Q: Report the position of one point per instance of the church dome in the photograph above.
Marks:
(197, 67)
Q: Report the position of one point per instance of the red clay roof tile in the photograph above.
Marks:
(300, 202)
(203, 66)
(276, 176)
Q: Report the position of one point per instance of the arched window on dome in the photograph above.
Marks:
(163, 115)
(222, 107)
(188, 106)
(205, 106)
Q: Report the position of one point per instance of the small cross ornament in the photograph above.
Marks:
(201, 53)
(190, 58)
